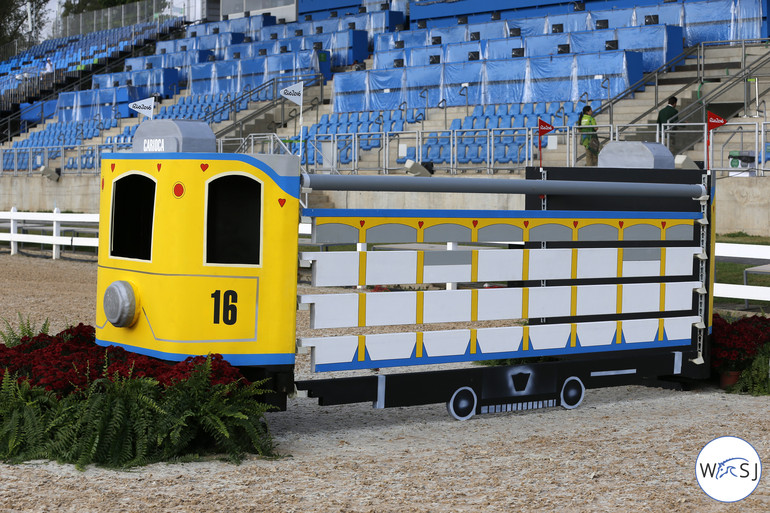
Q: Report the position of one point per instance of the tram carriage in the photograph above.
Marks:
(198, 254)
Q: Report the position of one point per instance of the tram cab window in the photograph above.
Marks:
(233, 214)
(133, 208)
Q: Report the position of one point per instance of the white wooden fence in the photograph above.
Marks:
(49, 228)
(57, 229)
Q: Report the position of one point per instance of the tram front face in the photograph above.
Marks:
(198, 255)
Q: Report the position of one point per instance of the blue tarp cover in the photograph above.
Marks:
(551, 78)
(386, 89)
(505, 81)
(490, 30)
(458, 76)
(616, 18)
(456, 34)
(535, 46)
(423, 86)
(572, 22)
(458, 52)
(384, 60)
(421, 56)
(501, 48)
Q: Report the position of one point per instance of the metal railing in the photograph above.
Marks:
(268, 91)
(113, 17)
(736, 148)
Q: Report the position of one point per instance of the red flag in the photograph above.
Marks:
(714, 121)
(544, 127)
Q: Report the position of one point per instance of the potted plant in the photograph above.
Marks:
(734, 345)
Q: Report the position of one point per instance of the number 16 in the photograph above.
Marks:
(229, 310)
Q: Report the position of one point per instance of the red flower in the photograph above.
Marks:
(67, 362)
(735, 344)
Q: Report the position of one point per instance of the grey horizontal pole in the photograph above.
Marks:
(498, 186)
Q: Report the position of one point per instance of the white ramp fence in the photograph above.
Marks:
(58, 229)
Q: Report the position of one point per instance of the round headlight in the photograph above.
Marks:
(120, 304)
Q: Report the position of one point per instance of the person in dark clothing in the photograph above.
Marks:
(669, 112)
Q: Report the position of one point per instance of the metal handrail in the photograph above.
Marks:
(253, 94)
(738, 130)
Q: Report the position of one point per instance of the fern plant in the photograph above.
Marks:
(121, 420)
(25, 418)
(111, 423)
(12, 337)
(221, 418)
(755, 379)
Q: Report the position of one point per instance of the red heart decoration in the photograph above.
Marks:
(620, 223)
(574, 223)
(663, 224)
(282, 201)
(542, 196)
(526, 223)
(112, 167)
(420, 223)
(159, 167)
(362, 222)
(475, 223)
(204, 167)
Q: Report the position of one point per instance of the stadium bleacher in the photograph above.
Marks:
(510, 65)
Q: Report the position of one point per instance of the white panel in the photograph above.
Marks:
(679, 295)
(499, 304)
(678, 328)
(596, 333)
(332, 310)
(386, 308)
(331, 349)
(389, 267)
(390, 346)
(446, 343)
(499, 340)
(640, 330)
(333, 268)
(742, 250)
(500, 264)
(597, 263)
(641, 297)
(637, 268)
(742, 291)
(550, 264)
(549, 336)
(446, 306)
(549, 301)
(597, 299)
(446, 273)
(679, 261)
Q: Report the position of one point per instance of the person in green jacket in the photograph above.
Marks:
(589, 138)
(669, 114)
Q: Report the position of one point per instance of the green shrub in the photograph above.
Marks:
(124, 421)
(11, 337)
(26, 419)
(223, 418)
(111, 423)
(755, 379)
